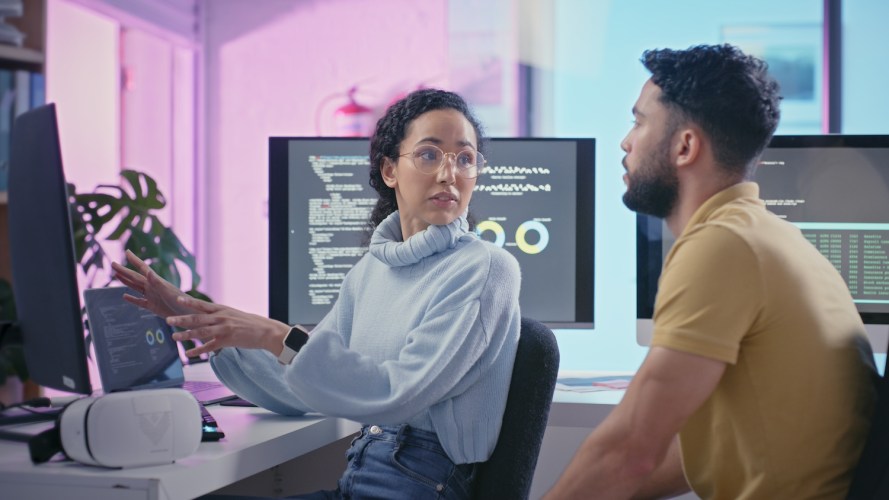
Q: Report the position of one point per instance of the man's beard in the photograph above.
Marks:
(654, 187)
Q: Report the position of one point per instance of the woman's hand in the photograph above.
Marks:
(219, 326)
(158, 295)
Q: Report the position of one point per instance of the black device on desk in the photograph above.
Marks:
(210, 430)
(20, 415)
(236, 402)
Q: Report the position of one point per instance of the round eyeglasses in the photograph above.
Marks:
(430, 159)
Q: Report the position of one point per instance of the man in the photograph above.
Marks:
(759, 381)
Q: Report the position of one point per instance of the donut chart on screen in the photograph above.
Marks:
(520, 235)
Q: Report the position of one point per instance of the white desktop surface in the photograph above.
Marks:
(255, 440)
(584, 409)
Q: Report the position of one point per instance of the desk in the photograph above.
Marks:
(255, 440)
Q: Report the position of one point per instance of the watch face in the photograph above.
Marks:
(296, 338)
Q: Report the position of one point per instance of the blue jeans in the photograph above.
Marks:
(399, 462)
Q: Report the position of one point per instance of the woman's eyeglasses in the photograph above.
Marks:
(430, 159)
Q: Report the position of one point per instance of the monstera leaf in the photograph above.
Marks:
(129, 211)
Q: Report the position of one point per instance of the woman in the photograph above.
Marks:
(420, 344)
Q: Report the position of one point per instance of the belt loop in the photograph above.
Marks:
(402, 430)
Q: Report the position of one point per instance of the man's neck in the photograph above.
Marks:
(694, 191)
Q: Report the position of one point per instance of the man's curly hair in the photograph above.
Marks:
(728, 94)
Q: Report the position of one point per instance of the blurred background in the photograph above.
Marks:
(190, 90)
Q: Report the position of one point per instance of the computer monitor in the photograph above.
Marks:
(835, 188)
(44, 272)
(536, 200)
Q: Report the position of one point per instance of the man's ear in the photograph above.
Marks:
(388, 172)
(687, 147)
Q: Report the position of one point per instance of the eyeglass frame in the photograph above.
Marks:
(444, 155)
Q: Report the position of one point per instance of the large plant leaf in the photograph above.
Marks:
(131, 207)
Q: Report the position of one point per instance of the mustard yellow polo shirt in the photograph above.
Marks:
(789, 416)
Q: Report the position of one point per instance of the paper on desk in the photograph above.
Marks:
(593, 384)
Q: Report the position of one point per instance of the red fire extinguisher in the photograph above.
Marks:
(353, 119)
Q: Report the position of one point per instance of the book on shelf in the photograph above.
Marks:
(7, 104)
(9, 34)
(20, 90)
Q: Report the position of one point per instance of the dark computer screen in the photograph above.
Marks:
(536, 200)
(44, 272)
(835, 188)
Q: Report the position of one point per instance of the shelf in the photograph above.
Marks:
(10, 55)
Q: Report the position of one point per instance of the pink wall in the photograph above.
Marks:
(269, 66)
(82, 78)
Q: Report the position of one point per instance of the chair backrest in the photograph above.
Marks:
(871, 478)
(509, 471)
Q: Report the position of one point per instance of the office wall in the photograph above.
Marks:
(865, 72)
(278, 67)
(82, 78)
(597, 77)
(597, 47)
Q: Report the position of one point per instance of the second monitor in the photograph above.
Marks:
(835, 189)
(536, 199)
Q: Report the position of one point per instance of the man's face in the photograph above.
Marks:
(652, 184)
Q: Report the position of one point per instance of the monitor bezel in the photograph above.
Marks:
(44, 264)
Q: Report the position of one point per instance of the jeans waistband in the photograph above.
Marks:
(401, 433)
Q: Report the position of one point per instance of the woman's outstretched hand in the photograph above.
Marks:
(219, 326)
(158, 295)
(215, 325)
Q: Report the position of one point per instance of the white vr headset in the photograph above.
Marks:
(124, 429)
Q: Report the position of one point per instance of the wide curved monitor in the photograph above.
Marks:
(835, 188)
(536, 200)
(44, 266)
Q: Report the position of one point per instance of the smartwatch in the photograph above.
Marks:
(294, 341)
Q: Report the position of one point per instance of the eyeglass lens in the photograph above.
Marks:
(430, 159)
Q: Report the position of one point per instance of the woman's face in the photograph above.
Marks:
(438, 198)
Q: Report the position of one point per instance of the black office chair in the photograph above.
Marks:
(508, 473)
(871, 478)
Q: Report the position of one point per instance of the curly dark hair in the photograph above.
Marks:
(392, 128)
(729, 94)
